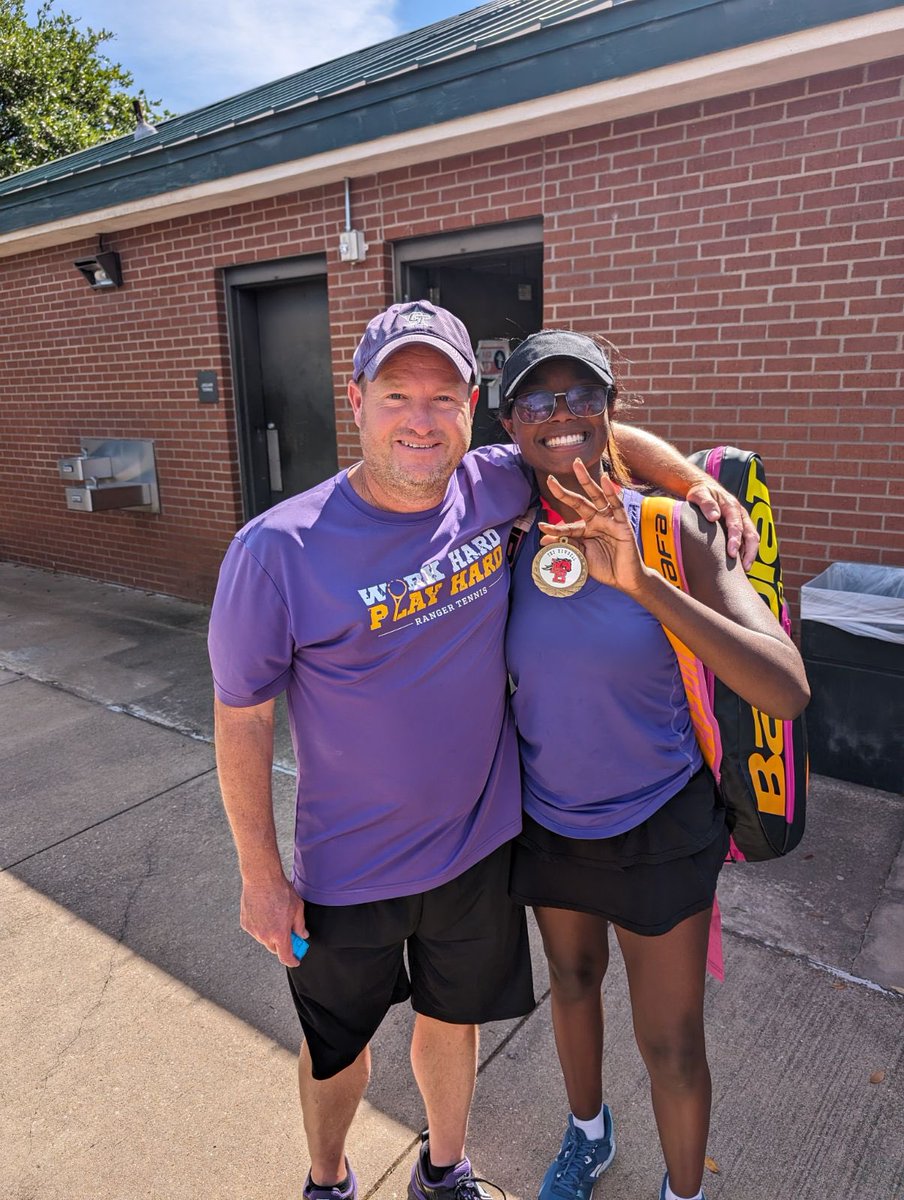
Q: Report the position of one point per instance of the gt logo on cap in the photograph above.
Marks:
(419, 317)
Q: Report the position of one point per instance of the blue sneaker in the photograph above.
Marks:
(665, 1180)
(580, 1162)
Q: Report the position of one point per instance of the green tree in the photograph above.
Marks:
(58, 91)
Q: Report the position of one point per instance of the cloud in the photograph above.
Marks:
(189, 53)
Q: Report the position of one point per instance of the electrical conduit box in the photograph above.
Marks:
(352, 246)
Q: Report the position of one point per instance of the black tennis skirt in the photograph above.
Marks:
(646, 880)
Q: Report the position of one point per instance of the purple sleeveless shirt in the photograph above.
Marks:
(605, 733)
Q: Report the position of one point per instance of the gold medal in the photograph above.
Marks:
(560, 569)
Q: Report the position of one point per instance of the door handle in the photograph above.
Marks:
(273, 458)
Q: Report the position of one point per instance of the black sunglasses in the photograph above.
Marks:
(583, 400)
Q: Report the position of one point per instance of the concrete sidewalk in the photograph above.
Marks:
(148, 1046)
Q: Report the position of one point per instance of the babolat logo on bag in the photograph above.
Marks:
(760, 762)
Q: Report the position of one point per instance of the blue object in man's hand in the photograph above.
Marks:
(299, 946)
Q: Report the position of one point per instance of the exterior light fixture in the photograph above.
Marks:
(102, 271)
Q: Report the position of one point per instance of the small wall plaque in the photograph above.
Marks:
(208, 389)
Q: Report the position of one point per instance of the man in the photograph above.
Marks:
(377, 602)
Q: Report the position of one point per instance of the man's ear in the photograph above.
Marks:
(356, 399)
(509, 426)
(475, 393)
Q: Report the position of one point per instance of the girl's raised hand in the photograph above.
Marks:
(603, 533)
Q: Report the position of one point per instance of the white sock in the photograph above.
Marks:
(595, 1129)
(670, 1195)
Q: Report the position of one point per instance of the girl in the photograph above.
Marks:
(622, 821)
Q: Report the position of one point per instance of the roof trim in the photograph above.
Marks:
(812, 51)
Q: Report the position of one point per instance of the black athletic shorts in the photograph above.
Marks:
(468, 955)
(646, 880)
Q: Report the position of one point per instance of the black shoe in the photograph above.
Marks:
(458, 1182)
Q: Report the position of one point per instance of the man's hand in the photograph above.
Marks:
(270, 912)
(650, 459)
(716, 503)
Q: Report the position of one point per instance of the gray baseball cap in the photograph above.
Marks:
(420, 323)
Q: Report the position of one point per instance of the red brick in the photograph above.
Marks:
(888, 68)
(772, 280)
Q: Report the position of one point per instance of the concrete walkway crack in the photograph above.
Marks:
(112, 817)
(884, 888)
(113, 960)
(815, 963)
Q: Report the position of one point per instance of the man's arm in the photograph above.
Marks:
(270, 908)
(655, 461)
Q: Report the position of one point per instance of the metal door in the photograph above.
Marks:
(285, 389)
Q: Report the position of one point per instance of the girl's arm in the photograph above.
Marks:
(724, 622)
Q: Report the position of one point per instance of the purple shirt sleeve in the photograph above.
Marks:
(250, 638)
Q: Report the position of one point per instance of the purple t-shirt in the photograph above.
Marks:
(386, 631)
(606, 736)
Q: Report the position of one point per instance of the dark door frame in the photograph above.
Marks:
(513, 235)
(244, 348)
(420, 260)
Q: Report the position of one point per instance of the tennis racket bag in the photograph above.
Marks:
(760, 762)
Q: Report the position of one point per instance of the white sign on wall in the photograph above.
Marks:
(491, 356)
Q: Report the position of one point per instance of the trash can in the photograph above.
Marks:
(852, 640)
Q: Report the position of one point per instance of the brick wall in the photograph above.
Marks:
(743, 254)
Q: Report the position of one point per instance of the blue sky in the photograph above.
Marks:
(189, 53)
